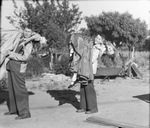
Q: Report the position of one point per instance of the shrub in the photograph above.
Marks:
(35, 67)
(111, 61)
(46, 60)
(141, 58)
(62, 66)
(107, 61)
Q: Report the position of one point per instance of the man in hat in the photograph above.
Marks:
(16, 67)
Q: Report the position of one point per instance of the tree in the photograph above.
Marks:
(116, 27)
(146, 46)
(68, 17)
(54, 21)
(41, 19)
(84, 32)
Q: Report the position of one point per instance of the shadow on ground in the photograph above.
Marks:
(4, 96)
(65, 96)
(144, 97)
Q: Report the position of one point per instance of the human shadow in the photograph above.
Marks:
(4, 96)
(144, 97)
(65, 96)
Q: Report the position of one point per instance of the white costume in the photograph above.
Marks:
(98, 50)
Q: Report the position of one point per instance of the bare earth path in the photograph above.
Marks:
(125, 100)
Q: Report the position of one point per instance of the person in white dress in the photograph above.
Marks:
(97, 51)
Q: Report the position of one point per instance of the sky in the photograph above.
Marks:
(138, 8)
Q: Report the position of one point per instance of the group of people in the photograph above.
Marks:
(83, 65)
(84, 54)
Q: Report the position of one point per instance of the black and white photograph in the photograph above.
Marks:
(75, 64)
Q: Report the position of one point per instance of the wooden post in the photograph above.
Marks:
(133, 51)
(56, 56)
(51, 59)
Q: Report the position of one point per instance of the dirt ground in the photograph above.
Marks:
(125, 100)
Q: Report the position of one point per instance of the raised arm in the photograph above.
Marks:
(35, 37)
(25, 56)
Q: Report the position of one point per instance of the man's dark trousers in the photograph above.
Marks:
(88, 99)
(18, 95)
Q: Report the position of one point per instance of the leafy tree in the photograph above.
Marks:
(50, 18)
(41, 19)
(68, 17)
(146, 46)
(54, 21)
(116, 27)
(85, 32)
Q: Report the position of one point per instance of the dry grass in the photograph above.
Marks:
(141, 58)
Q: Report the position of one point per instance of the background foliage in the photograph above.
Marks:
(122, 29)
(55, 19)
(52, 19)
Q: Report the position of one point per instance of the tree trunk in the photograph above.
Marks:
(133, 51)
(129, 52)
(51, 59)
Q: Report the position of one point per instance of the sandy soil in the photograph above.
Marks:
(119, 99)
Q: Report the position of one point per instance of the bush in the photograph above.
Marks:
(35, 67)
(46, 60)
(62, 66)
(107, 61)
(111, 61)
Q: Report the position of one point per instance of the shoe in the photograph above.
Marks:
(23, 116)
(8, 113)
(95, 110)
(80, 110)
